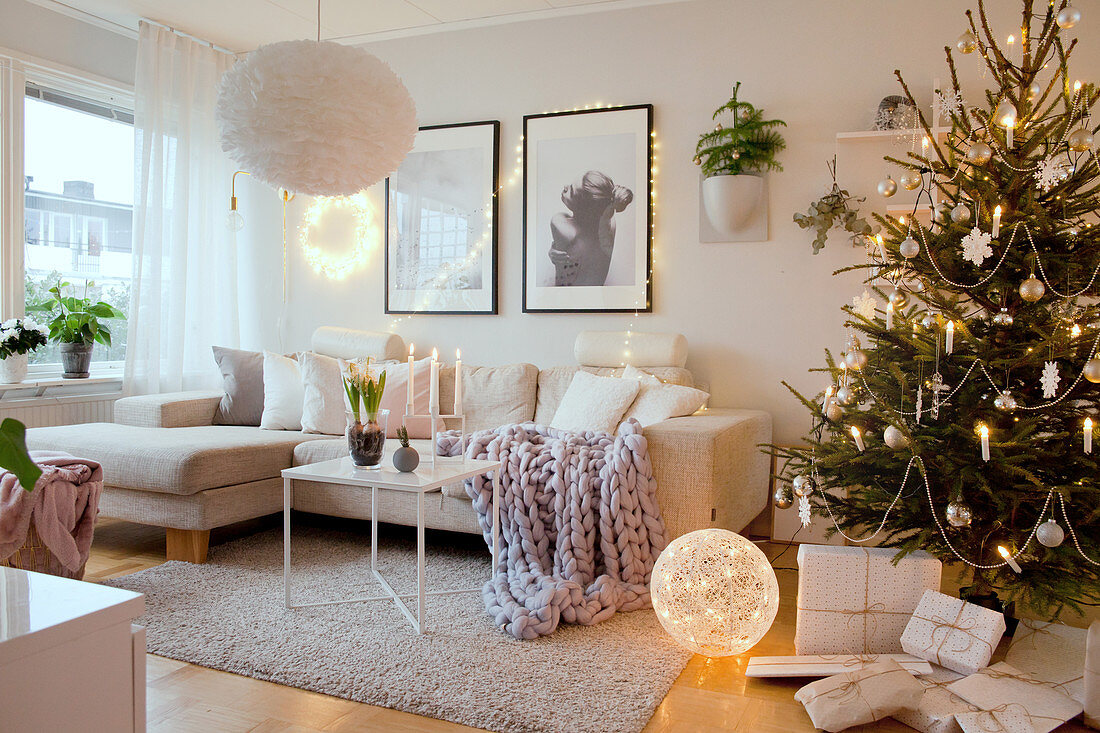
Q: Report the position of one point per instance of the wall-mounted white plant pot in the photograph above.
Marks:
(732, 203)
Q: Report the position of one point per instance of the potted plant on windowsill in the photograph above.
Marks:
(733, 159)
(18, 337)
(78, 325)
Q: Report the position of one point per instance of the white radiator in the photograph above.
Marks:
(42, 411)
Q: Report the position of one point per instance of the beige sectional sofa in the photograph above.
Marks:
(166, 464)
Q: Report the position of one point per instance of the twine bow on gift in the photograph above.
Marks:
(849, 689)
(986, 718)
(994, 674)
(965, 626)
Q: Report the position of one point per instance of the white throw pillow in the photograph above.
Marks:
(657, 401)
(324, 402)
(594, 403)
(283, 393)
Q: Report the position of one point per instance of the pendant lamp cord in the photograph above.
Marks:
(318, 21)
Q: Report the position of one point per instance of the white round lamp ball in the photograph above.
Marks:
(714, 592)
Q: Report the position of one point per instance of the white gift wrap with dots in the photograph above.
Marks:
(1002, 720)
(1051, 652)
(854, 600)
(952, 633)
(938, 706)
(1006, 691)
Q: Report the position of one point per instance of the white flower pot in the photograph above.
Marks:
(13, 369)
(731, 202)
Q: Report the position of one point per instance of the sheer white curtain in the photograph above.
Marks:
(184, 292)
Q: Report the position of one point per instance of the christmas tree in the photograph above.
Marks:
(959, 419)
(749, 145)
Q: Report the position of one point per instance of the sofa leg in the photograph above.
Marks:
(189, 545)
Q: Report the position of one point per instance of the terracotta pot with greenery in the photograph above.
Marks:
(78, 324)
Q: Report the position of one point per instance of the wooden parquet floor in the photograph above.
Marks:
(710, 695)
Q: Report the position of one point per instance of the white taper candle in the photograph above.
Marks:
(458, 382)
(889, 316)
(984, 432)
(1009, 559)
(433, 385)
(858, 438)
(410, 409)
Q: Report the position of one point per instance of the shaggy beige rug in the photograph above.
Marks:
(228, 614)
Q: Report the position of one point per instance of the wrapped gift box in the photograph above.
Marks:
(938, 706)
(1004, 689)
(814, 665)
(952, 633)
(1006, 720)
(1092, 677)
(863, 696)
(1051, 652)
(854, 600)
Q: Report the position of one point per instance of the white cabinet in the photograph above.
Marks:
(70, 657)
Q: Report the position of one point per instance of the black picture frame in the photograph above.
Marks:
(445, 301)
(636, 120)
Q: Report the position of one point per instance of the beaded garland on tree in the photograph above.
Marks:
(983, 372)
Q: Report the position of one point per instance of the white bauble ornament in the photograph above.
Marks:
(910, 181)
(894, 438)
(928, 320)
(960, 214)
(1079, 140)
(941, 213)
(856, 359)
(319, 118)
(909, 248)
(1050, 534)
(979, 153)
(1068, 17)
(1003, 318)
(844, 395)
(959, 514)
(887, 187)
(1032, 289)
(1004, 401)
(834, 413)
(1092, 371)
(967, 42)
(783, 498)
(1034, 90)
(714, 592)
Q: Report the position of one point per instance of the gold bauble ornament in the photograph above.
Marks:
(1092, 371)
(1079, 140)
(1032, 289)
(910, 181)
(856, 359)
(834, 413)
(979, 153)
(844, 394)
(1034, 90)
(967, 42)
(718, 127)
(1068, 17)
(783, 498)
(1004, 318)
(899, 298)
(744, 114)
(887, 187)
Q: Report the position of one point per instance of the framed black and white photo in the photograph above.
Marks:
(441, 222)
(586, 211)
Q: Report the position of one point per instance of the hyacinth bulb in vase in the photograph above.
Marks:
(366, 422)
(18, 338)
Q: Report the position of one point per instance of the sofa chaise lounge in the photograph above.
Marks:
(166, 464)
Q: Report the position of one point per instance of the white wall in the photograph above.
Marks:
(753, 313)
(51, 36)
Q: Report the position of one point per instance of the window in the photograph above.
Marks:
(442, 237)
(78, 199)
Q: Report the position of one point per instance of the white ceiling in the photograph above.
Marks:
(242, 25)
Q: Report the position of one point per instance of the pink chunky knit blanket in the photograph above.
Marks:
(580, 525)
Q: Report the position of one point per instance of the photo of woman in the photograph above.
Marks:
(586, 211)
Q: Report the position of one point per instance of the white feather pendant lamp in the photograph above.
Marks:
(315, 117)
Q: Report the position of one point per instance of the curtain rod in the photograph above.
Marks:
(187, 35)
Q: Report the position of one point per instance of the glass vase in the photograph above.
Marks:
(367, 438)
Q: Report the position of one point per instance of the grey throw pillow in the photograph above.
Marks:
(243, 372)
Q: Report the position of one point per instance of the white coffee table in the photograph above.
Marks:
(425, 480)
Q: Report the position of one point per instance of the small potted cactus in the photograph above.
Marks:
(405, 458)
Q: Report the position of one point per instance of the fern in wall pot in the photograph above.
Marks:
(733, 156)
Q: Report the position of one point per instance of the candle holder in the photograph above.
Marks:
(437, 419)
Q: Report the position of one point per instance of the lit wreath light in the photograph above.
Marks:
(333, 266)
(715, 592)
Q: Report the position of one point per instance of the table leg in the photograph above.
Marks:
(420, 562)
(496, 523)
(286, 541)
(373, 529)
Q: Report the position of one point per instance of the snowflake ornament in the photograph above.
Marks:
(865, 304)
(1050, 173)
(948, 103)
(975, 246)
(1050, 379)
(804, 510)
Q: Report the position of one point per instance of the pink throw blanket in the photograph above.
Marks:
(64, 505)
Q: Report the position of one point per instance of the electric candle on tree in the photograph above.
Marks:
(984, 432)
(458, 382)
(949, 342)
(997, 220)
(433, 385)
(858, 438)
(1088, 435)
